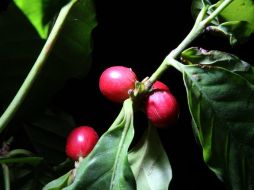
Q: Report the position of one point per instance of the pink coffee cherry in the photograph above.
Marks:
(158, 85)
(161, 108)
(116, 81)
(80, 142)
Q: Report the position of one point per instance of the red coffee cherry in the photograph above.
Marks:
(161, 108)
(115, 83)
(80, 142)
(158, 85)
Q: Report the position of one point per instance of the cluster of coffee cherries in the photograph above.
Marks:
(161, 106)
(116, 83)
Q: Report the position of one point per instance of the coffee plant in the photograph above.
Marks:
(126, 95)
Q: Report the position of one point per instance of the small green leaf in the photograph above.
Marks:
(107, 166)
(235, 31)
(24, 160)
(214, 58)
(16, 153)
(221, 101)
(59, 183)
(149, 162)
(40, 13)
(236, 21)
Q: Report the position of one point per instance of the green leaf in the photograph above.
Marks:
(237, 27)
(24, 160)
(40, 13)
(244, 10)
(214, 58)
(221, 101)
(48, 133)
(235, 31)
(59, 183)
(71, 56)
(21, 156)
(149, 162)
(107, 166)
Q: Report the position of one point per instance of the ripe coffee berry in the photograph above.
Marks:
(161, 108)
(158, 85)
(116, 81)
(80, 142)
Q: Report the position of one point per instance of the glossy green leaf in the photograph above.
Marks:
(48, 134)
(40, 13)
(236, 21)
(71, 55)
(221, 101)
(107, 166)
(149, 162)
(244, 10)
(59, 183)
